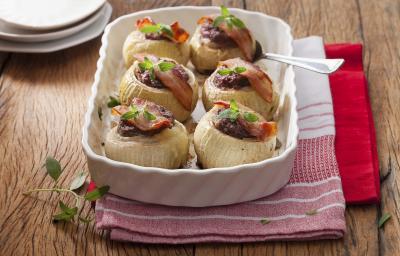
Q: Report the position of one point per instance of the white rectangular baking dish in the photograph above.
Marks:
(191, 187)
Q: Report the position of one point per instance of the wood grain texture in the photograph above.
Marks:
(43, 99)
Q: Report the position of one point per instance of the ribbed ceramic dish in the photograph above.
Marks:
(191, 187)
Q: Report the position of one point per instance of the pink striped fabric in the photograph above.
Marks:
(310, 206)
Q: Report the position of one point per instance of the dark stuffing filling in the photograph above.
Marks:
(235, 129)
(231, 81)
(218, 37)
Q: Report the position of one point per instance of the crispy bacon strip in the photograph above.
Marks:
(141, 122)
(260, 129)
(179, 87)
(241, 36)
(179, 35)
(258, 79)
(140, 23)
(205, 19)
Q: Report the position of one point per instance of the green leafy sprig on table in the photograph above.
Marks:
(159, 28)
(67, 213)
(147, 65)
(233, 113)
(229, 19)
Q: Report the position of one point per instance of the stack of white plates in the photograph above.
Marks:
(50, 25)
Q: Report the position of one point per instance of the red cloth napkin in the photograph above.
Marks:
(355, 143)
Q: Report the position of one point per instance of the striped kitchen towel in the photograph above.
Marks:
(310, 206)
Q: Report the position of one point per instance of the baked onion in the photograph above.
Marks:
(220, 38)
(231, 134)
(175, 89)
(147, 135)
(159, 39)
(244, 82)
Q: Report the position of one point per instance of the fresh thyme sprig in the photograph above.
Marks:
(67, 213)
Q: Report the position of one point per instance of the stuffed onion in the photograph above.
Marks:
(159, 39)
(231, 134)
(147, 135)
(162, 81)
(244, 82)
(220, 38)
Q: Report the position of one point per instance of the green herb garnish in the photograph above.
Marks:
(312, 212)
(53, 168)
(113, 102)
(146, 64)
(131, 114)
(67, 213)
(97, 193)
(250, 117)
(383, 219)
(149, 116)
(265, 221)
(232, 112)
(158, 28)
(166, 66)
(230, 71)
(78, 181)
(229, 19)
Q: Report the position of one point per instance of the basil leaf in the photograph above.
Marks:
(63, 216)
(150, 29)
(224, 72)
(233, 105)
(383, 219)
(53, 168)
(129, 115)
(166, 29)
(250, 117)
(152, 74)
(265, 221)
(217, 21)
(228, 22)
(224, 11)
(149, 116)
(239, 70)
(85, 220)
(100, 113)
(78, 181)
(166, 66)
(97, 193)
(224, 114)
(65, 209)
(234, 116)
(113, 102)
(312, 212)
(237, 22)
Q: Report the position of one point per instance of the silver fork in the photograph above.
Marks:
(324, 66)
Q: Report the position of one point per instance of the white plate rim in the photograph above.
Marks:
(91, 108)
(92, 31)
(88, 12)
(54, 34)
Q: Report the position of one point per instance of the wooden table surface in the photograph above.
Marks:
(43, 98)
